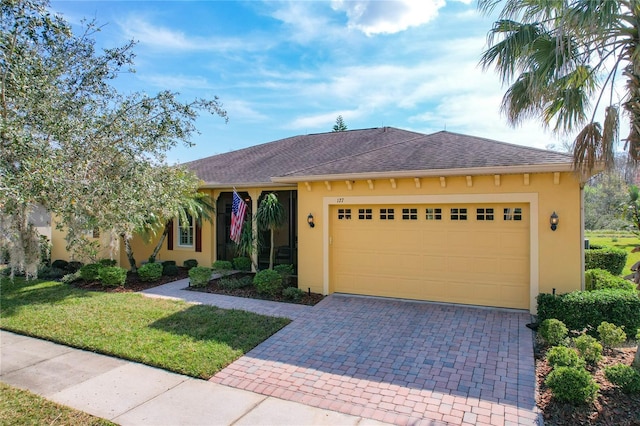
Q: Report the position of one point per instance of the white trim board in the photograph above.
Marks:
(530, 198)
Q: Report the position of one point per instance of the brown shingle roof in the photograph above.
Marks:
(378, 150)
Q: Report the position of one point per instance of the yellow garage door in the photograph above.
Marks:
(460, 253)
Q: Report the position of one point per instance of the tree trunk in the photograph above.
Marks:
(156, 250)
(636, 360)
(129, 251)
(272, 250)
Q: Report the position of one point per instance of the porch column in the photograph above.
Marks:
(255, 194)
(215, 194)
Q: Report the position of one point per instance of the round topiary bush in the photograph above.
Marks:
(588, 348)
(170, 270)
(59, 264)
(222, 266)
(74, 266)
(190, 263)
(624, 376)
(242, 263)
(562, 356)
(113, 276)
(553, 331)
(268, 282)
(90, 272)
(572, 384)
(199, 276)
(150, 272)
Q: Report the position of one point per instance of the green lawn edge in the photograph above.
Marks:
(191, 339)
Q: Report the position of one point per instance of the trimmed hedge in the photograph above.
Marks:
(113, 276)
(609, 258)
(587, 309)
(90, 272)
(242, 263)
(150, 272)
(597, 279)
(199, 276)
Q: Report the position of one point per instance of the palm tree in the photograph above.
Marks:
(271, 215)
(198, 206)
(561, 60)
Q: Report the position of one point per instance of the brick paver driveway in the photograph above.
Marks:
(399, 362)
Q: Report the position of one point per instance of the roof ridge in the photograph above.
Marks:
(532, 148)
(420, 135)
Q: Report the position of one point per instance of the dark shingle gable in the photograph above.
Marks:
(375, 150)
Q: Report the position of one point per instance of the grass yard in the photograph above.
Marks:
(620, 239)
(20, 407)
(196, 340)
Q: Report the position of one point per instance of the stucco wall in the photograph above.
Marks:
(559, 252)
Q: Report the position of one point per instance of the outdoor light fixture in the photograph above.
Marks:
(553, 220)
(310, 221)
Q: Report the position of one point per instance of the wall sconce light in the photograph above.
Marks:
(310, 221)
(553, 220)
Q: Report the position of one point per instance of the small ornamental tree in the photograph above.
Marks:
(271, 215)
(340, 126)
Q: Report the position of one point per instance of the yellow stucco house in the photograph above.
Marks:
(388, 212)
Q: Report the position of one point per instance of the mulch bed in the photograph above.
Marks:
(133, 283)
(250, 292)
(612, 407)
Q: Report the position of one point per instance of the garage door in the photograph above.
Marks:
(460, 253)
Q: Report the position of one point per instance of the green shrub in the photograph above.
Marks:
(235, 283)
(199, 276)
(169, 262)
(268, 282)
(285, 271)
(597, 279)
(553, 331)
(107, 262)
(572, 384)
(588, 348)
(170, 270)
(609, 258)
(60, 264)
(222, 266)
(113, 276)
(150, 272)
(51, 273)
(611, 335)
(90, 272)
(587, 309)
(561, 356)
(627, 377)
(242, 263)
(190, 263)
(293, 293)
(74, 266)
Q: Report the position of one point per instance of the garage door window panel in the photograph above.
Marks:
(483, 214)
(387, 214)
(344, 214)
(458, 214)
(434, 214)
(365, 214)
(513, 213)
(409, 214)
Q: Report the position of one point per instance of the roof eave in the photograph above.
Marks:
(244, 185)
(471, 171)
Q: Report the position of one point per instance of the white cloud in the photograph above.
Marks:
(178, 82)
(243, 111)
(325, 120)
(388, 16)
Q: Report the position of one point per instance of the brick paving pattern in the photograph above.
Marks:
(399, 362)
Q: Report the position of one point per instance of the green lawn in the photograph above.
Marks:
(20, 407)
(620, 239)
(195, 340)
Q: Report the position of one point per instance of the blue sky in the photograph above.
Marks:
(284, 68)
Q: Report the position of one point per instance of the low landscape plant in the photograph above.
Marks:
(74, 266)
(170, 270)
(49, 272)
(199, 276)
(107, 262)
(232, 283)
(293, 293)
(572, 384)
(222, 266)
(242, 263)
(268, 282)
(150, 272)
(553, 331)
(190, 263)
(624, 376)
(60, 264)
(588, 348)
(90, 272)
(113, 276)
(562, 356)
(71, 278)
(611, 335)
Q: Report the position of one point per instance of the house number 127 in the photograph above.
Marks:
(339, 200)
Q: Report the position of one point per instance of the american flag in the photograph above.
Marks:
(238, 210)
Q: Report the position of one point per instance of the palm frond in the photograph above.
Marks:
(610, 133)
(587, 148)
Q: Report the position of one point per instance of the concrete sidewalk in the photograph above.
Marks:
(129, 393)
